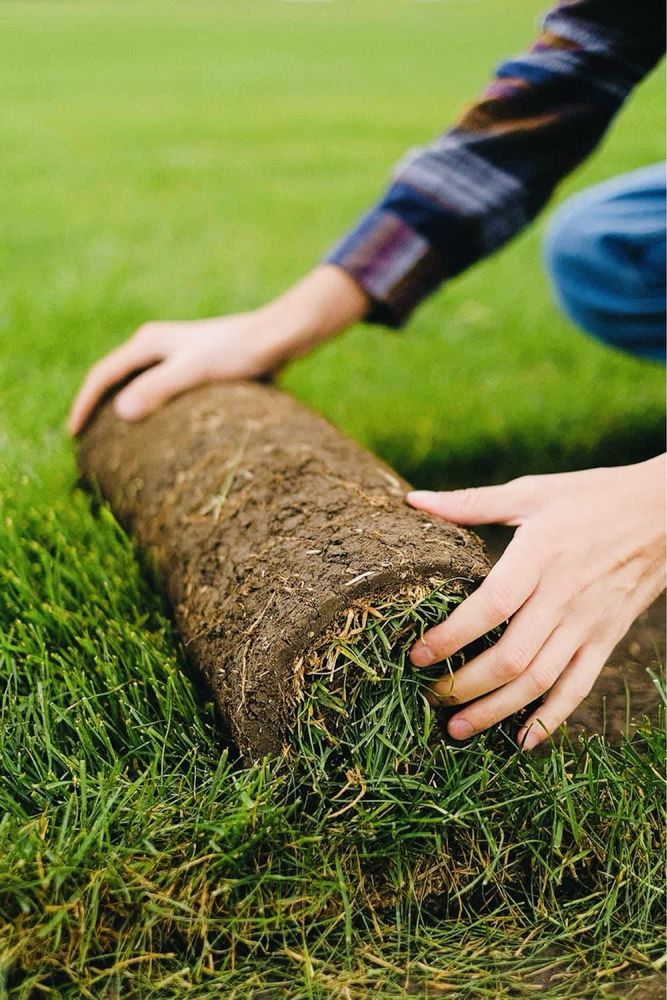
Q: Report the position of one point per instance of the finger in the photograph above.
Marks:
(512, 654)
(111, 369)
(507, 587)
(145, 393)
(484, 505)
(568, 692)
(542, 674)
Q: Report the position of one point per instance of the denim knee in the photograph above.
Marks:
(605, 254)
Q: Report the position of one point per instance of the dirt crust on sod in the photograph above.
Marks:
(269, 528)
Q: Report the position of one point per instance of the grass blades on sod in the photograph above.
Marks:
(138, 860)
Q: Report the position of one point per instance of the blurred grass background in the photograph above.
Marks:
(163, 160)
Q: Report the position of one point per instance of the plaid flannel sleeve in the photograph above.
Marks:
(469, 192)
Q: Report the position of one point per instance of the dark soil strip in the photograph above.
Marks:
(267, 525)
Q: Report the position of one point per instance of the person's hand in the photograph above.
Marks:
(176, 356)
(181, 355)
(587, 558)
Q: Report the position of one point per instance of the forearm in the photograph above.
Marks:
(465, 195)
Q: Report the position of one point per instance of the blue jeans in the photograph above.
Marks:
(605, 253)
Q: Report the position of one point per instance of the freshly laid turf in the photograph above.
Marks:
(137, 860)
(164, 160)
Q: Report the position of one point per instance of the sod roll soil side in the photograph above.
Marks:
(268, 525)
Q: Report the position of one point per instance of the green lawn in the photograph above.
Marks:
(158, 164)
(164, 160)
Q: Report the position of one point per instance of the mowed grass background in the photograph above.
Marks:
(170, 162)
(165, 160)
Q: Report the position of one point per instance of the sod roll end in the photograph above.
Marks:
(270, 529)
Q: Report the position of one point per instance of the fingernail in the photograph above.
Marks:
(528, 739)
(422, 655)
(414, 496)
(129, 407)
(460, 729)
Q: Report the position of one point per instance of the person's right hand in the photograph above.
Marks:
(180, 355)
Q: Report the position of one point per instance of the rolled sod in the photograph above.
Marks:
(278, 540)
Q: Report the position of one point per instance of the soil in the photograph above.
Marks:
(267, 524)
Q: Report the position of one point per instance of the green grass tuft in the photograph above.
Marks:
(139, 859)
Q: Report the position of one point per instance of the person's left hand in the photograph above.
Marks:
(587, 558)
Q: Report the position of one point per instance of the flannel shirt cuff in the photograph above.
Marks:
(395, 265)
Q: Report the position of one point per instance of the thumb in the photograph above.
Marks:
(146, 392)
(484, 505)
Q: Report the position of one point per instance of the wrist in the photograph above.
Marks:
(654, 482)
(283, 325)
(322, 304)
